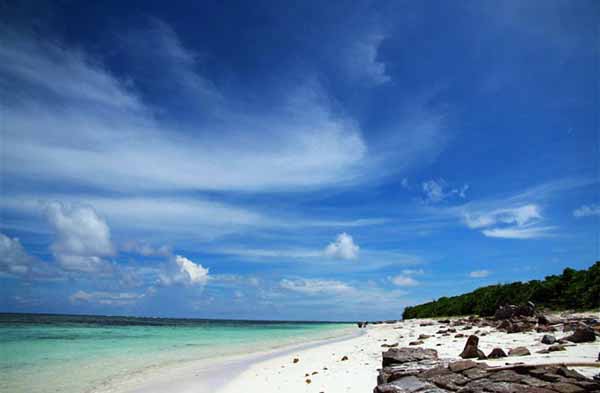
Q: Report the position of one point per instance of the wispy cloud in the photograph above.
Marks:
(520, 222)
(145, 249)
(122, 144)
(106, 298)
(436, 191)
(519, 233)
(308, 145)
(516, 216)
(361, 60)
(479, 273)
(314, 286)
(587, 211)
(404, 281)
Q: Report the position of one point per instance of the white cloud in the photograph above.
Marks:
(195, 273)
(343, 247)
(106, 298)
(587, 211)
(14, 259)
(315, 286)
(82, 238)
(181, 270)
(479, 273)
(436, 191)
(404, 281)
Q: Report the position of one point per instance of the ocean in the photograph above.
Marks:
(76, 354)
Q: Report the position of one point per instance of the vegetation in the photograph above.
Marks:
(573, 289)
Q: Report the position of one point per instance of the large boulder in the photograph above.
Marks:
(471, 350)
(497, 353)
(582, 335)
(519, 351)
(405, 355)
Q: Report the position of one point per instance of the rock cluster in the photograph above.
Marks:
(524, 318)
(407, 370)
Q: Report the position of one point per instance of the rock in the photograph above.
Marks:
(296, 360)
(543, 320)
(562, 387)
(444, 321)
(519, 351)
(470, 350)
(407, 384)
(475, 373)
(556, 347)
(449, 381)
(418, 342)
(459, 335)
(461, 365)
(423, 337)
(545, 329)
(497, 353)
(394, 345)
(405, 355)
(308, 380)
(505, 325)
(548, 339)
(506, 376)
(582, 335)
(505, 312)
(565, 372)
(511, 311)
(344, 358)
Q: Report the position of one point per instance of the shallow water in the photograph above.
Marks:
(68, 354)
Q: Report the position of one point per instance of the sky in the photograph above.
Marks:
(292, 160)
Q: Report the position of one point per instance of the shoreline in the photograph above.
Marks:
(208, 374)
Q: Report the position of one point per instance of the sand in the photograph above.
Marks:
(275, 370)
(359, 372)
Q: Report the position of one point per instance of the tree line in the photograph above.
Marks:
(573, 290)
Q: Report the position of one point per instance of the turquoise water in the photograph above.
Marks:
(73, 354)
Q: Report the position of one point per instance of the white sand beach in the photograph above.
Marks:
(320, 366)
(359, 372)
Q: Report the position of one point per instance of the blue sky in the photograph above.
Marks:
(265, 160)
